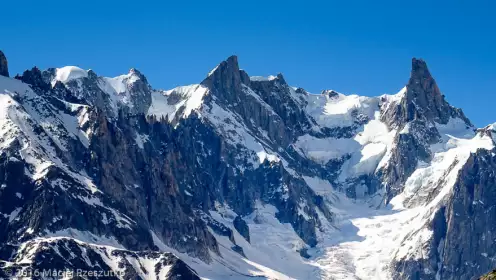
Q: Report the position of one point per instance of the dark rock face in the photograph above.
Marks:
(220, 181)
(241, 226)
(225, 80)
(409, 147)
(470, 215)
(4, 67)
(117, 163)
(140, 92)
(462, 245)
(36, 79)
(277, 94)
(423, 97)
(137, 194)
(32, 203)
(259, 107)
(87, 89)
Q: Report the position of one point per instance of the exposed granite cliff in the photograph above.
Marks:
(462, 244)
(4, 67)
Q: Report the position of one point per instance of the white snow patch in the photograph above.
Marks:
(83, 236)
(322, 150)
(68, 73)
(340, 110)
(263, 155)
(262, 78)
(168, 103)
(375, 140)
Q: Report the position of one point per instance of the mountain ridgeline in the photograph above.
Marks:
(240, 176)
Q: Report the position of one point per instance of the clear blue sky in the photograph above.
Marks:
(362, 47)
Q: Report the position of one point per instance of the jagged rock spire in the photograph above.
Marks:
(421, 105)
(34, 77)
(226, 79)
(423, 96)
(422, 101)
(4, 67)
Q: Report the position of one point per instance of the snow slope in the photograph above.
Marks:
(169, 102)
(369, 238)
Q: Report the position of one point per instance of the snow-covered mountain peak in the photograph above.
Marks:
(135, 71)
(119, 84)
(131, 89)
(69, 73)
(422, 101)
(224, 82)
(129, 92)
(489, 131)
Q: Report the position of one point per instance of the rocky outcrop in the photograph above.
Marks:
(140, 92)
(241, 226)
(36, 78)
(88, 89)
(4, 67)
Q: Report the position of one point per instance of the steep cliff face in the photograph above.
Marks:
(468, 247)
(240, 176)
(268, 105)
(422, 100)
(462, 244)
(4, 67)
(417, 115)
